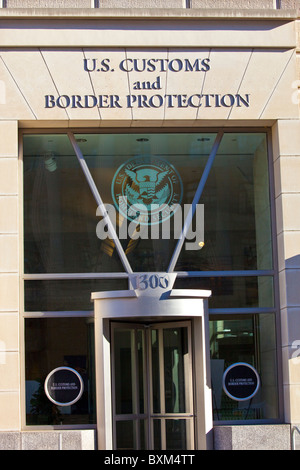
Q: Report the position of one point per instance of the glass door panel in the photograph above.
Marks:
(155, 371)
(175, 348)
(124, 435)
(152, 386)
(124, 362)
(129, 386)
(176, 434)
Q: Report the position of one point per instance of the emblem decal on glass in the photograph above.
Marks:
(147, 190)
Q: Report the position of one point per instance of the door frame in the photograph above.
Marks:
(149, 415)
(127, 306)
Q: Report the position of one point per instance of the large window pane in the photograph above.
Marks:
(233, 292)
(237, 221)
(62, 229)
(52, 343)
(59, 295)
(250, 339)
(60, 219)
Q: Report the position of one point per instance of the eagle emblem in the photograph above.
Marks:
(147, 186)
(149, 183)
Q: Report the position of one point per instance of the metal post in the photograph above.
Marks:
(101, 206)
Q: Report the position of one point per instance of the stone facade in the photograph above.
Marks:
(276, 88)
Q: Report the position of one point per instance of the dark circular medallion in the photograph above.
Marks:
(63, 386)
(241, 381)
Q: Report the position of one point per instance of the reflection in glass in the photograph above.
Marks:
(155, 370)
(69, 295)
(60, 218)
(250, 339)
(150, 382)
(233, 292)
(237, 220)
(175, 348)
(60, 212)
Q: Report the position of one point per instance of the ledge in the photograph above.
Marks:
(38, 439)
(116, 294)
(252, 437)
(148, 13)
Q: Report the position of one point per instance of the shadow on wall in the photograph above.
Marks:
(293, 262)
(289, 279)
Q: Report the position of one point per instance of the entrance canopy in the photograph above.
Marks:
(156, 310)
(154, 301)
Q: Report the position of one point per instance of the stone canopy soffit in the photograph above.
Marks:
(165, 84)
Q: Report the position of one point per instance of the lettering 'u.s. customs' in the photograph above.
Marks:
(147, 189)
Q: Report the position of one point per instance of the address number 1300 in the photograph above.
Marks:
(152, 281)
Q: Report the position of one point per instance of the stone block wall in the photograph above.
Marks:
(286, 152)
(9, 277)
(264, 437)
(48, 440)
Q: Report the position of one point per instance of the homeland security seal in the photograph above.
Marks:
(147, 190)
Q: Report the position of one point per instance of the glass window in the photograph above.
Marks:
(70, 295)
(51, 343)
(250, 339)
(135, 173)
(60, 212)
(237, 221)
(233, 292)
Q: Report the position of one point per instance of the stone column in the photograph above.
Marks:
(9, 278)
(286, 150)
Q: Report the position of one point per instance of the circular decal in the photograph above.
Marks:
(241, 381)
(63, 386)
(147, 190)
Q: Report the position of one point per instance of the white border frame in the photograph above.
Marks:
(224, 377)
(70, 402)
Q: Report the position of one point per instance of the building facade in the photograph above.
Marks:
(149, 224)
